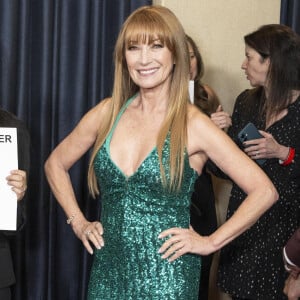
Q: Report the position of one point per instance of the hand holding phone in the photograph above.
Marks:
(250, 132)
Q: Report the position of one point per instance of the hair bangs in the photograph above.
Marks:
(146, 29)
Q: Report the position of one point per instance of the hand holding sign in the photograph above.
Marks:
(8, 162)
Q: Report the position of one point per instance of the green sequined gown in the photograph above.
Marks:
(135, 210)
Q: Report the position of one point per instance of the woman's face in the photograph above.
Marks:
(193, 63)
(149, 65)
(256, 68)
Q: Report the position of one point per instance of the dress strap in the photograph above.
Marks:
(123, 108)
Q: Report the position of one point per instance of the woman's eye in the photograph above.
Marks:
(132, 47)
(157, 46)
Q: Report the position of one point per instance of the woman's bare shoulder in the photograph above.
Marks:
(92, 119)
(100, 109)
(102, 106)
(212, 95)
(209, 90)
(196, 116)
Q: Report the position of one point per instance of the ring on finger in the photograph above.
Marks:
(87, 232)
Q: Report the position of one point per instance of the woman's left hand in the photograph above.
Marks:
(18, 181)
(182, 241)
(265, 147)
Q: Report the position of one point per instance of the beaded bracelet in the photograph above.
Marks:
(290, 157)
(70, 219)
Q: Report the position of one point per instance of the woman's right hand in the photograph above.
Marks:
(89, 233)
(221, 118)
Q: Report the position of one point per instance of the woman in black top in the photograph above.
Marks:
(251, 266)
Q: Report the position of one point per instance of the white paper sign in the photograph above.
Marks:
(191, 90)
(8, 162)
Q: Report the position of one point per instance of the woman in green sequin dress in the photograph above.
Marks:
(150, 144)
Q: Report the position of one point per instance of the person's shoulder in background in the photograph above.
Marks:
(292, 248)
(8, 119)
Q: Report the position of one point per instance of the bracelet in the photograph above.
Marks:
(70, 219)
(290, 157)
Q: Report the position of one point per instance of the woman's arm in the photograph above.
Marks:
(261, 194)
(70, 150)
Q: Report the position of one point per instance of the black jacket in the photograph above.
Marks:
(7, 119)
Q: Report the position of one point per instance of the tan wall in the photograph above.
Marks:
(218, 28)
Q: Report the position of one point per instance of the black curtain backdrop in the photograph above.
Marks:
(290, 14)
(56, 63)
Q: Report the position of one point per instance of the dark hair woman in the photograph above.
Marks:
(251, 266)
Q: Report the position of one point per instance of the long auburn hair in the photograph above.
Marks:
(145, 25)
(281, 45)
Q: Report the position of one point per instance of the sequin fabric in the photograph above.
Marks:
(135, 210)
(251, 266)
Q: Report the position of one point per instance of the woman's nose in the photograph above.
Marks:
(244, 64)
(145, 55)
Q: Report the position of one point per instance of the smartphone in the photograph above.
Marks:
(250, 132)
